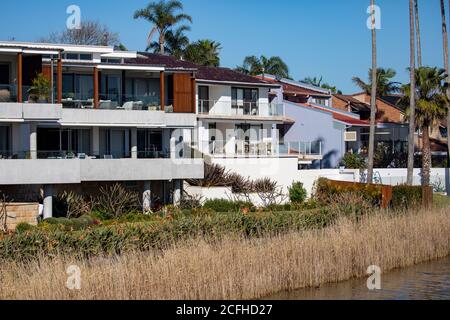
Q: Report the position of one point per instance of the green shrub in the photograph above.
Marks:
(405, 197)
(354, 161)
(223, 205)
(297, 193)
(23, 226)
(81, 223)
(115, 201)
(279, 207)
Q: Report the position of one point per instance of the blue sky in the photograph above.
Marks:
(325, 38)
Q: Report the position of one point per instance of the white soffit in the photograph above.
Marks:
(121, 54)
(129, 67)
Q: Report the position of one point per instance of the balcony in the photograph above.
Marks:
(246, 148)
(65, 171)
(240, 108)
(64, 167)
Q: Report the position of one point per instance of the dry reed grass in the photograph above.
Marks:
(241, 269)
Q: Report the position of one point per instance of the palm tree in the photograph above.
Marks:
(373, 96)
(255, 66)
(431, 108)
(163, 16)
(383, 77)
(176, 42)
(419, 46)
(313, 81)
(446, 65)
(412, 100)
(318, 83)
(204, 52)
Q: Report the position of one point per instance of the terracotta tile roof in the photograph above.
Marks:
(202, 72)
(146, 58)
(361, 106)
(339, 116)
(292, 89)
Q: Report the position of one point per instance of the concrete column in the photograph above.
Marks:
(95, 141)
(134, 148)
(33, 140)
(48, 201)
(147, 197)
(275, 141)
(177, 191)
(16, 141)
(173, 151)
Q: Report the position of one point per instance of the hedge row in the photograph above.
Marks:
(115, 239)
(403, 196)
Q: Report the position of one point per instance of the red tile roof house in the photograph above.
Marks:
(239, 110)
(391, 121)
(314, 120)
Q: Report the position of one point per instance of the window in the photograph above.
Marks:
(111, 60)
(245, 99)
(203, 99)
(4, 74)
(77, 86)
(322, 101)
(85, 56)
(71, 56)
(110, 87)
(4, 140)
(78, 56)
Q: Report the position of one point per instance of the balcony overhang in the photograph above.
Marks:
(242, 118)
(20, 112)
(74, 171)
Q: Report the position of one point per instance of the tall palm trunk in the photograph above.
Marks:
(373, 98)
(446, 66)
(426, 155)
(419, 45)
(412, 109)
(161, 43)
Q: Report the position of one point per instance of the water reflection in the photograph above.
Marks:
(425, 281)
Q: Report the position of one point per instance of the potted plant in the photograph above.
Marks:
(40, 89)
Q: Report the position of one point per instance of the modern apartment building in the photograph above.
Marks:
(78, 117)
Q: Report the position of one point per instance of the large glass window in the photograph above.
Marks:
(112, 144)
(150, 144)
(4, 140)
(245, 99)
(203, 99)
(57, 142)
(110, 87)
(84, 86)
(78, 86)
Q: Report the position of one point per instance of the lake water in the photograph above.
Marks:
(429, 280)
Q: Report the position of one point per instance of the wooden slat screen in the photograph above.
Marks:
(182, 93)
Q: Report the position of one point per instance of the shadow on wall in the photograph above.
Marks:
(329, 160)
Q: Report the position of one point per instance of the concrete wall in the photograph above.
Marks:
(30, 111)
(316, 125)
(73, 171)
(127, 118)
(21, 212)
(285, 171)
(131, 118)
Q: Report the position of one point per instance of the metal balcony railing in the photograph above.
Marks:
(247, 108)
(262, 148)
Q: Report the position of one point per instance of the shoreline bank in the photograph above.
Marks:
(241, 268)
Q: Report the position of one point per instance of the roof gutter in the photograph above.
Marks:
(249, 84)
